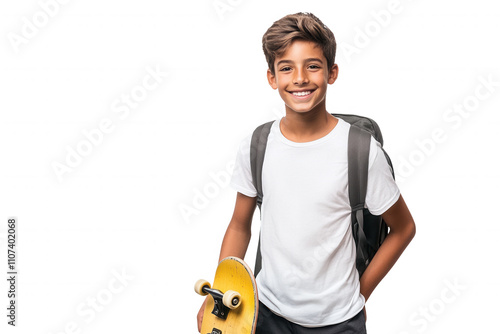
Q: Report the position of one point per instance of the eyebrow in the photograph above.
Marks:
(286, 61)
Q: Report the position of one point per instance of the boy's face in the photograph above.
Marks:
(301, 77)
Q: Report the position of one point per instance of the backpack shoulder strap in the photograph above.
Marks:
(257, 152)
(358, 151)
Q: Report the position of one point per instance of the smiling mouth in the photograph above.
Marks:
(302, 93)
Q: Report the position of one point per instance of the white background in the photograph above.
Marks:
(119, 208)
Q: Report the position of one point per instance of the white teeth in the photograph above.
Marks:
(301, 93)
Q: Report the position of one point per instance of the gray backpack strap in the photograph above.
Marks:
(358, 160)
(257, 152)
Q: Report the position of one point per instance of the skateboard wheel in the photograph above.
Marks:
(231, 299)
(200, 284)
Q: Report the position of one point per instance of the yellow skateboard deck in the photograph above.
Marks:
(234, 305)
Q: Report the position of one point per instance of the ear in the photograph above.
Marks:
(333, 73)
(271, 79)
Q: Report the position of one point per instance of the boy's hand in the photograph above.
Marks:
(199, 317)
(401, 232)
(364, 311)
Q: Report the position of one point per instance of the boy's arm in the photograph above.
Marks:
(237, 237)
(402, 231)
(239, 231)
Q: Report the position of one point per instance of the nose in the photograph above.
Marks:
(300, 76)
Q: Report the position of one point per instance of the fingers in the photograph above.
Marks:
(200, 320)
(199, 317)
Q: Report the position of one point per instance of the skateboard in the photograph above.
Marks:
(234, 305)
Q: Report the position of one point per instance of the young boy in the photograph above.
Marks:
(308, 282)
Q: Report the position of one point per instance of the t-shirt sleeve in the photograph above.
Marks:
(382, 190)
(241, 180)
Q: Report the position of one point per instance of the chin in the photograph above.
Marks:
(300, 110)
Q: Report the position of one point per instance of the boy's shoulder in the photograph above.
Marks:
(270, 132)
(272, 128)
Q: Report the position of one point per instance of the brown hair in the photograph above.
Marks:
(303, 26)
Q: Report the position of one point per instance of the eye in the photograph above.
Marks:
(314, 67)
(284, 69)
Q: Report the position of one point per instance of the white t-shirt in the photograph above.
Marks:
(308, 273)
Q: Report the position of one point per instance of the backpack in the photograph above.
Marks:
(369, 231)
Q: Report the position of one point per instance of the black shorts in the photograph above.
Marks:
(270, 323)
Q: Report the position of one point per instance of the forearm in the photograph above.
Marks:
(387, 255)
(237, 237)
(235, 242)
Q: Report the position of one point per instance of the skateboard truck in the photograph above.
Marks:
(220, 310)
(215, 331)
(223, 302)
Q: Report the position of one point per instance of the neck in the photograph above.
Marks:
(307, 126)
